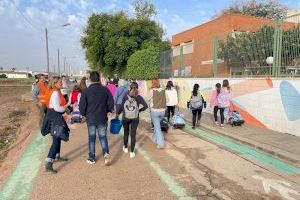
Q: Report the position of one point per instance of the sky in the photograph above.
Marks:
(23, 23)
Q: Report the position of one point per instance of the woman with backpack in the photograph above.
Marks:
(157, 102)
(171, 98)
(196, 104)
(131, 108)
(224, 99)
(120, 93)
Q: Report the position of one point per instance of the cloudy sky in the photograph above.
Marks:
(23, 23)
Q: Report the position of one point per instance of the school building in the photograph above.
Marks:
(193, 49)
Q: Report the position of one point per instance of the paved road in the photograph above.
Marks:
(188, 168)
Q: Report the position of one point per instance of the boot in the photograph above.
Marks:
(49, 167)
(60, 159)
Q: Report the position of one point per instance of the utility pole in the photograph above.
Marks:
(47, 50)
(65, 64)
(58, 62)
(54, 68)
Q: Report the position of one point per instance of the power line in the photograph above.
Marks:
(23, 16)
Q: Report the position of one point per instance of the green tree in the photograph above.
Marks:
(1, 68)
(110, 39)
(271, 9)
(144, 9)
(143, 64)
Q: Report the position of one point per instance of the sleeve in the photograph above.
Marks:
(83, 104)
(121, 107)
(143, 103)
(78, 98)
(116, 96)
(34, 93)
(70, 99)
(110, 102)
(55, 102)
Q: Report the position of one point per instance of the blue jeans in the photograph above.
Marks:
(54, 149)
(157, 137)
(101, 128)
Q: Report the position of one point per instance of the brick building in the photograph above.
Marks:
(192, 50)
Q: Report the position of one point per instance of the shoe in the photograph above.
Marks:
(132, 154)
(193, 127)
(125, 149)
(49, 168)
(107, 159)
(217, 123)
(222, 125)
(60, 159)
(90, 161)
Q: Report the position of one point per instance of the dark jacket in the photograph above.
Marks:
(139, 101)
(55, 124)
(95, 102)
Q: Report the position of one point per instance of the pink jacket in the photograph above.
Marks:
(112, 88)
(213, 99)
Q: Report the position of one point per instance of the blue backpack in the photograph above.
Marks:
(178, 120)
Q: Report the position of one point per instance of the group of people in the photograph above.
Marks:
(97, 103)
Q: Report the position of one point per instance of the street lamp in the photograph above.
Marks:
(47, 49)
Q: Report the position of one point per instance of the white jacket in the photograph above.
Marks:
(172, 97)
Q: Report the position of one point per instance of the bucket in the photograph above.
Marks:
(115, 126)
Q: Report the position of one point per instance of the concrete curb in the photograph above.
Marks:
(278, 153)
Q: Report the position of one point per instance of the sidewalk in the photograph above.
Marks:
(281, 145)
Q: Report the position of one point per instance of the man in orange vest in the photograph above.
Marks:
(39, 94)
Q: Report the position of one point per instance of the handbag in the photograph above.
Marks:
(60, 132)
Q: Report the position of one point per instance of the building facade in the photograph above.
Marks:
(193, 50)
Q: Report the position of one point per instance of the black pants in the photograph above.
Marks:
(170, 110)
(130, 125)
(216, 108)
(55, 147)
(197, 112)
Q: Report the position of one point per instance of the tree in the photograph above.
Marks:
(143, 64)
(110, 39)
(144, 9)
(13, 69)
(1, 68)
(271, 9)
(249, 49)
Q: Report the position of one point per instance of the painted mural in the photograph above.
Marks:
(266, 103)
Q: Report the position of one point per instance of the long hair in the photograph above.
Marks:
(195, 89)
(226, 84)
(53, 82)
(134, 90)
(170, 85)
(218, 87)
(76, 88)
(82, 84)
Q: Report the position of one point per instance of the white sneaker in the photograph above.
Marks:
(125, 149)
(90, 161)
(132, 154)
(107, 159)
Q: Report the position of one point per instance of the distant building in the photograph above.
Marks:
(14, 74)
(197, 44)
(293, 16)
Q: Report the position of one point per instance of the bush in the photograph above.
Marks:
(143, 65)
(3, 76)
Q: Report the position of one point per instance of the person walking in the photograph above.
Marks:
(172, 99)
(157, 102)
(82, 84)
(38, 94)
(74, 100)
(95, 104)
(214, 104)
(120, 93)
(131, 108)
(224, 99)
(53, 119)
(197, 103)
(111, 87)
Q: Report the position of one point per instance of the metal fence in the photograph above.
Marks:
(270, 49)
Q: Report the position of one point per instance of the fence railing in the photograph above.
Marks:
(271, 49)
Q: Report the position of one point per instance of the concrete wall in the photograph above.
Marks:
(267, 103)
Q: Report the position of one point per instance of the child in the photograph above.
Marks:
(214, 103)
(74, 102)
(224, 99)
(196, 103)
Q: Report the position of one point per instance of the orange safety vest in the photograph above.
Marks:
(48, 96)
(43, 90)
